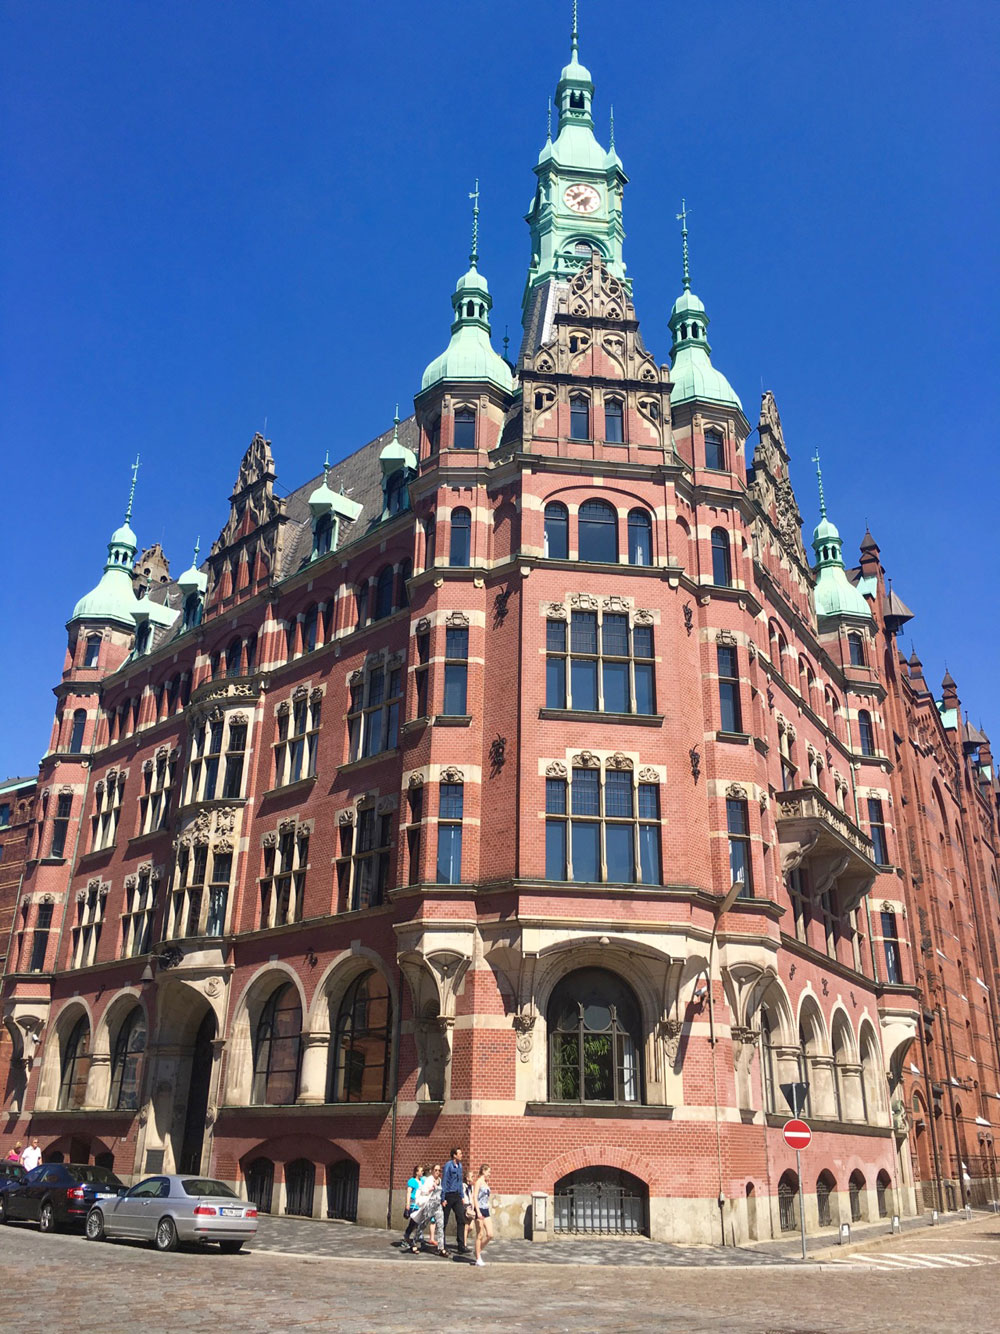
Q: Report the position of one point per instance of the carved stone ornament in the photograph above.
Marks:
(156, 874)
(346, 817)
(81, 896)
(688, 617)
(284, 709)
(616, 603)
(584, 602)
(94, 883)
(648, 776)
(555, 611)
(213, 986)
(147, 766)
(523, 1026)
(225, 819)
(270, 840)
(65, 791)
(752, 651)
(670, 1034)
(223, 845)
(316, 694)
(423, 626)
(886, 906)
(763, 802)
(373, 660)
(395, 659)
(143, 1116)
(695, 759)
(170, 957)
(216, 715)
(47, 898)
(747, 1036)
(144, 868)
(300, 692)
(104, 891)
(643, 616)
(304, 830)
(618, 761)
(586, 759)
(287, 826)
(385, 805)
(452, 775)
(239, 719)
(556, 770)
(355, 678)
(726, 637)
(131, 881)
(415, 780)
(457, 620)
(111, 775)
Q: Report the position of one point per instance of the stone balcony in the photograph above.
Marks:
(816, 835)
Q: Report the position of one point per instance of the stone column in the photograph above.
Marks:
(822, 1094)
(98, 1082)
(850, 1092)
(312, 1080)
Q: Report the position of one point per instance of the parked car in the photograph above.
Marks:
(11, 1171)
(54, 1194)
(167, 1210)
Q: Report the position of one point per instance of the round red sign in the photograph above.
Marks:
(797, 1134)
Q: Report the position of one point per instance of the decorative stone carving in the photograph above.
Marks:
(239, 719)
(355, 678)
(648, 776)
(385, 804)
(523, 1027)
(156, 874)
(223, 845)
(498, 754)
(316, 694)
(618, 761)
(742, 1034)
(81, 896)
(457, 620)
(104, 891)
(586, 759)
(616, 603)
(423, 625)
(225, 819)
(452, 775)
(144, 868)
(415, 780)
(269, 840)
(131, 881)
(287, 826)
(584, 602)
(670, 1035)
(300, 692)
(688, 617)
(736, 792)
(94, 883)
(47, 898)
(147, 766)
(763, 802)
(555, 611)
(216, 715)
(643, 616)
(395, 659)
(727, 638)
(213, 986)
(346, 817)
(752, 651)
(556, 770)
(284, 709)
(695, 759)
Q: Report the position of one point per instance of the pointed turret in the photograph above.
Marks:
(917, 673)
(469, 355)
(834, 594)
(113, 599)
(692, 373)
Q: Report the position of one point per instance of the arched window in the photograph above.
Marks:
(557, 531)
(722, 567)
(579, 417)
(788, 1201)
(858, 1191)
(465, 428)
(323, 534)
(359, 1051)
(310, 628)
(715, 452)
(825, 1186)
(883, 1193)
(640, 538)
(129, 1047)
(870, 1098)
(142, 637)
(259, 1182)
(75, 1066)
(234, 654)
(93, 651)
(614, 421)
(277, 1049)
(405, 575)
(804, 1070)
(251, 653)
(767, 1062)
(460, 550)
(79, 724)
(598, 532)
(595, 1039)
(383, 592)
(866, 733)
(361, 604)
(841, 1058)
(856, 647)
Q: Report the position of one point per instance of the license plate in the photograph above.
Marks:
(106, 1195)
(231, 1213)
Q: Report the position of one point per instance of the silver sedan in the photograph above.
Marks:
(167, 1210)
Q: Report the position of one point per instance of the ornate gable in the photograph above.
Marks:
(771, 487)
(245, 554)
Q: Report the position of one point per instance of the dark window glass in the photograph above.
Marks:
(890, 944)
(129, 1047)
(75, 1066)
(79, 725)
(93, 651)
(359, 1051)
(383, 593)
(460, 551)
(640, 538)
(614, 421)
(456, 671)
(557, 531)
(729, 690)
(715, 452)
(740, 865)
(579, 417)
(595, 1039)
(277, 1049)
(857, 650)
(722, 572)
(876, 825)
(465, 428)
(866, 733)
(598, 532)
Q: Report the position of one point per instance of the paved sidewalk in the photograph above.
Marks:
(347, 1241)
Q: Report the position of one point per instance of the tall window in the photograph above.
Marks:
(876, 829)
(79, 726)
(188, 900)
(460, 549)
(430, 541)
(604, 664)
(890, 945)
(767, 1062)
(60, 825)
(856, 647)
(107, 812)
(323, 535)
(40, 938)
(359, 1052)
(456, 671)
(421, 674)
(298, 740)
(614, 421)
(405, 575)
(154, 802)
(283, 884)
(373, 711)
(126, 1061)
(365, 859)
(277, 1049)
(798, 892)
(192, 610)
(396, 494)
(579, 417)
(729, 689)
(74, 1067)
(383, 592)
(233, 784)
(715, 451)
(740, 861)
(595, 1039)
(234, 658)
(609, 832)
(597, 530)
(722, 568)
(640, 538)
(465, 428)
(866, 733)
(93, 651)
(88, 925)
(557, 531)
(140, 909)
(451, 805)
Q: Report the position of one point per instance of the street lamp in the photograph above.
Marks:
(721, 908)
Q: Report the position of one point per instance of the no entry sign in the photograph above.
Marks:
(797, 1134)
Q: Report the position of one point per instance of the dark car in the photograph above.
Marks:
(58, 1193)
(11, 1172)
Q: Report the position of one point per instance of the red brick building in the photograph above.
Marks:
(519, 783)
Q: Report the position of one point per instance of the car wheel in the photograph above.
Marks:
(230, 1247)
(47, 1218)
(166, 1235)
(95, 1226)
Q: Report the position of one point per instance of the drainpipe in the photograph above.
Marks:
(929, 1094)
(395, 1098)
(721, 908)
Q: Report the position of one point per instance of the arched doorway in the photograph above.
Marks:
(259, 1182)
(193, 1142)
(602, 1201)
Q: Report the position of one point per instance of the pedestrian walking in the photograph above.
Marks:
(429, 1214)
(481, 1201)
(14, 1155)
(454, 1202)
(412, 1186)
(31, 1156)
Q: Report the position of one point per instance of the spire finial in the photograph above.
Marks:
(326, 467)
(548, 123)
(573, 37)
(197, 548)
(612, 131)
(506, 341)
(131, 493)
(682, 218)
(395, 422)
(474, 196)
(819, 479)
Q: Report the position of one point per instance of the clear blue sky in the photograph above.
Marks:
(217, 213)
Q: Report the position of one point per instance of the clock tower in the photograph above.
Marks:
(577, 208)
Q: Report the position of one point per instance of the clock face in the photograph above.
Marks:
(582, 198)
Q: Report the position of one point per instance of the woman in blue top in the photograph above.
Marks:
(481, 1203)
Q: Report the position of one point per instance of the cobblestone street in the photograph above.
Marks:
(948, 1275)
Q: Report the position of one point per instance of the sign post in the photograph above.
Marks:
(798, 1136)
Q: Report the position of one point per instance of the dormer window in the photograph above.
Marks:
(395, 493)
(142, 639)
(465, 428)
(323, 534)
(192, 610)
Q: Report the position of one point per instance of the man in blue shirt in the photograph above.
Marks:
(451, 1193)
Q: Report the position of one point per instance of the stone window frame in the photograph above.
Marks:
(139, 907)
(370, 812)
(211, 831)
(556, 613)
(284, 864)
(560, 772)
(204, 761)
(89, 923)
(303, 704)
(109, 793)
(158, 777)
(384, 662)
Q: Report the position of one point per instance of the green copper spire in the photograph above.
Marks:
(834, 594)
(131, 493)
(192, 580)
(692, 372)
(114, 597)
(470, 354)
(819, 482)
